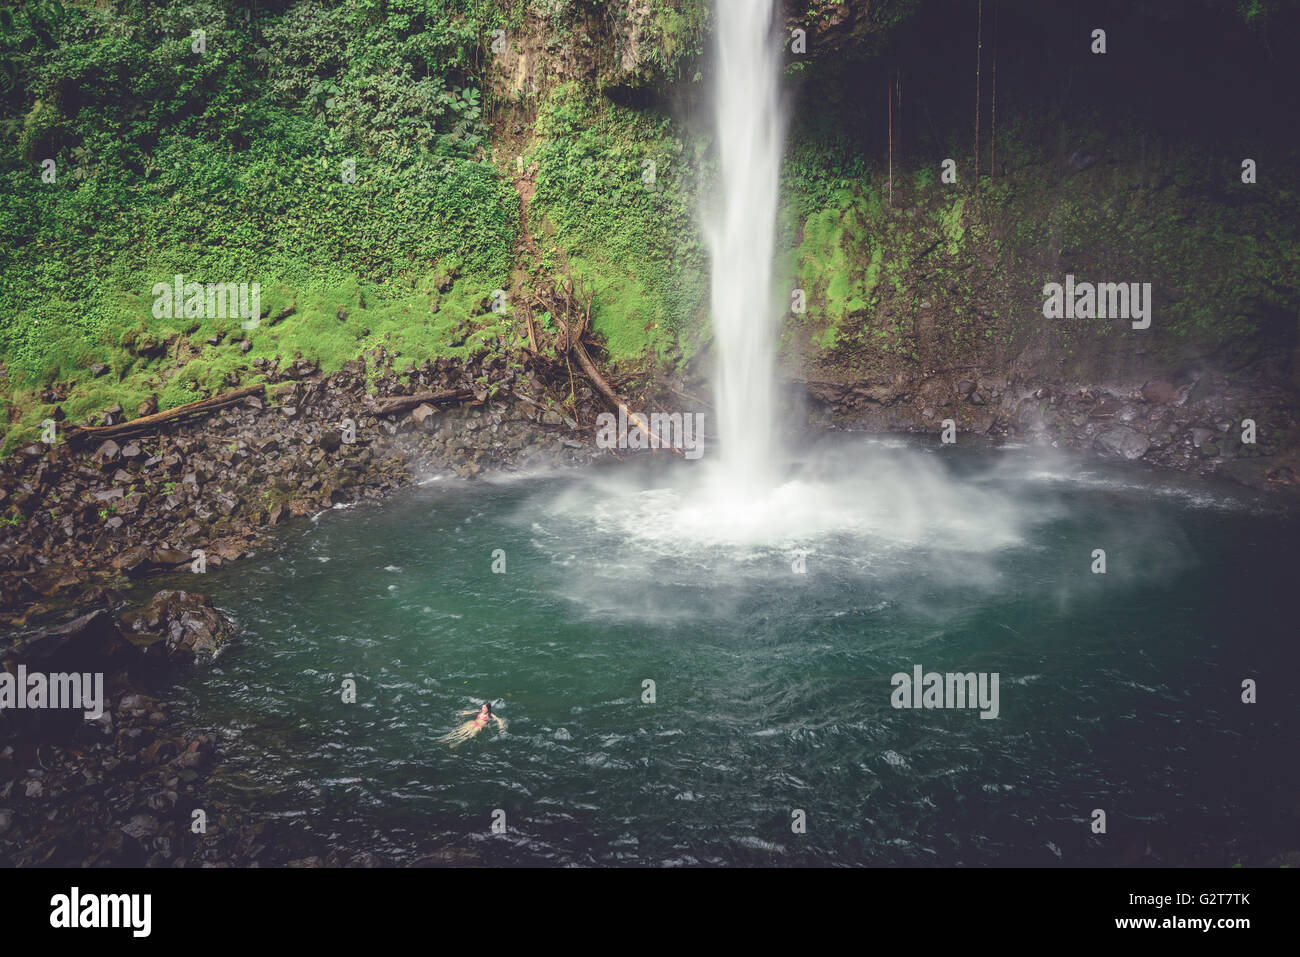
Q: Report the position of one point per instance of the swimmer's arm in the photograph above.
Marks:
(501, 723)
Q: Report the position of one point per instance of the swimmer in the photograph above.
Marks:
(472, 727)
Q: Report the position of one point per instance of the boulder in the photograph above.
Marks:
(186, 623)
(1162, 391)
(422, 414)
(1123, 441)
(91, 642)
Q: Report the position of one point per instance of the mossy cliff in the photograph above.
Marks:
(501, 146)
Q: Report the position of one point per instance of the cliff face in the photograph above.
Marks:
(920, 262)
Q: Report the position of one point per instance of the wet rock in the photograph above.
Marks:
(186, 621)
(135, 561)
(141, 826)
(1162, 391)
(169, 557)
(1122, 441)
(422, 415)
(91, 642)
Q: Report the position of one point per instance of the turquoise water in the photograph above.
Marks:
(772, 687)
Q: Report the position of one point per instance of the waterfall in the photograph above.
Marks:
(749, 133)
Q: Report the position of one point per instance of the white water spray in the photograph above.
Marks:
(750, 133)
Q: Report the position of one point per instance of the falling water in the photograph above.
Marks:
(749, 134)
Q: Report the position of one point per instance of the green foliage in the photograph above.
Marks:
(228, 166)
(637, 244)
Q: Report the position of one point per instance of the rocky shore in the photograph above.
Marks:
(1190, 421)
(86, 519)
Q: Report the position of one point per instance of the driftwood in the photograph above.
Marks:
(404, 403)
(532, 333)
(607, 391)
(574, 305)
(148, 423)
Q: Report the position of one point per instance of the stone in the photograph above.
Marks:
(1161, 391)
(191, 627)
(107, 452)
(1123, 441)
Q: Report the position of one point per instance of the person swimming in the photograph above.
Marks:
(481, 719)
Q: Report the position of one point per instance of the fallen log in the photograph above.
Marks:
(607, 391)
(148, 423)
(532, 333)
(404, 403)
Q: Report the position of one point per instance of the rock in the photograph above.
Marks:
(1200, 436)
(188, 623)
(149, 347)
(135, 561)
(1107, 408)
(91, 642)
(107, 452)
(148, 407)
(423, 414)
(141, 826)
(98, 369)
(169, 557)
(1161, 391)
(330, 441)
(1123, 441)
(300, 369)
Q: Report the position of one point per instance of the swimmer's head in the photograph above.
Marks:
(486, 707)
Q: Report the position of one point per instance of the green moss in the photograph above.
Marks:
(635, 243)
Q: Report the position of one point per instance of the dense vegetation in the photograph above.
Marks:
(226, 161)
(138, 148)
